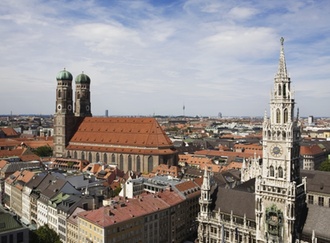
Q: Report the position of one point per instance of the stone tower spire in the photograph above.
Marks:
(82, 97)
(282, 71)
(205, 199)
(64, 117)
(204, 215)
(280, 192)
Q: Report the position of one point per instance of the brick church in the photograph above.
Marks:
(137, 144)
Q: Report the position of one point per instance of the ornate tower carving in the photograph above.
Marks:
(205, 203)
(280, 193)
(64, 118)
(82, 97)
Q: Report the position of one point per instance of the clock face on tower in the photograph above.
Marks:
(276, 150)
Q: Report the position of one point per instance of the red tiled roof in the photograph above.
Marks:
(122, 131)
(10, 153)
(310, 150)
(9, 131)
(122, 211)
(39, 143)
(3, 163)
(24, 176)
(6, 142)
(189, 188)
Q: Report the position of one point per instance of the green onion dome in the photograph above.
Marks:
(64, 75)
(82, 79)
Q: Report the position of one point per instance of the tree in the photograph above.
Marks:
(44, 151)
(325, 165)
(44, 234)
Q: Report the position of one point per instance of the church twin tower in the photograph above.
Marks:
(68, 115)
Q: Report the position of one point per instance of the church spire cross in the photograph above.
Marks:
(282, 72)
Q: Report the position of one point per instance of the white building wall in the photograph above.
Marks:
(52, 218)
(42, 213)
(26, 206)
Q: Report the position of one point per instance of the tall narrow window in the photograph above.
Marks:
(129, 162)
(271, 171)
(138, 164)
(279, 89)
(284, 90)
(280, 172)
(113, 158)
(97, 157)
(82, 155)
(59, 93)
(286, 115)
(90, 157)
(121, 162)
(278, 116)
(150, 164)
(310, 199)
(105, 158)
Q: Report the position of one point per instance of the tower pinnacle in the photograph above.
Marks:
(282, 72)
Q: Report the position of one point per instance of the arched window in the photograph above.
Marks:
(279, 89)
(138, 164)
(75, 154)
(271, 171)
(278, 116)
(283, 135)
(278, 134)
(286, 116)
(150, 163)
(121, 162)
(97, 157)
(129, 162)
(105, 158)
(83, 155)
(113, 158)
(280, 172)
(59, 93)
(284, 90)
(90, 157)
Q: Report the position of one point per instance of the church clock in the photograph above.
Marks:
(276, 150)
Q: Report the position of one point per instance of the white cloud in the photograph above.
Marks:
(241, 13)
(145, 57)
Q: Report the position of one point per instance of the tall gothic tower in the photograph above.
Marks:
(82, 97)
(204, 203)
(280, 193)
(64, 117)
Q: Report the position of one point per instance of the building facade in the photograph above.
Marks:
(271, 207)
(137, 144)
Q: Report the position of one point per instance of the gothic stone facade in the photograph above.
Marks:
(271, 207)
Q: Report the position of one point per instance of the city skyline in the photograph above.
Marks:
(156, 57)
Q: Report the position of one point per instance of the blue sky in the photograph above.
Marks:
(151, 57)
